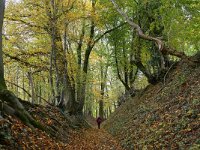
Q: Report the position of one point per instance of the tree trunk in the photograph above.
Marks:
(101, 102)
(104, 73)
(68, 95)
(52, 95)
(101, 109)
(90, 45)
(110, 110)
(118, 71)
(33, 95)
(23, 85)
(17, 82)
(2, 81)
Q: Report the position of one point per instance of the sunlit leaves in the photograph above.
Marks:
(181, 24)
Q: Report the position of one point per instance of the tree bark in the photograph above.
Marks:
(33, 95)
(68, 94)
(2, 81)
(80, 75)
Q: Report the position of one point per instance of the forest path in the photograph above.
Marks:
(94, 139)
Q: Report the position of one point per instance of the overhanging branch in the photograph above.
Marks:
(160, 44)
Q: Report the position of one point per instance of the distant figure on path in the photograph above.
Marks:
(99, 121)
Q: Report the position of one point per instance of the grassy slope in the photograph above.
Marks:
(163, 116)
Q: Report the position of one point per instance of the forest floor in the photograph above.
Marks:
(162, 116)
(94, 139)
(69, 135)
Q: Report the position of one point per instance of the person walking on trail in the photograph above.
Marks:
(99, 121)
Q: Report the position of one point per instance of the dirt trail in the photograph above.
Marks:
(94, 139)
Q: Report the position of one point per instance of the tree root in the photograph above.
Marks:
(12, 106)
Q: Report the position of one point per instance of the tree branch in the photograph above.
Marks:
(28, 92)
(26, 23)
(19, 87)
(108, 31)
(24, 62)
(159, 43)
(118, 73)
